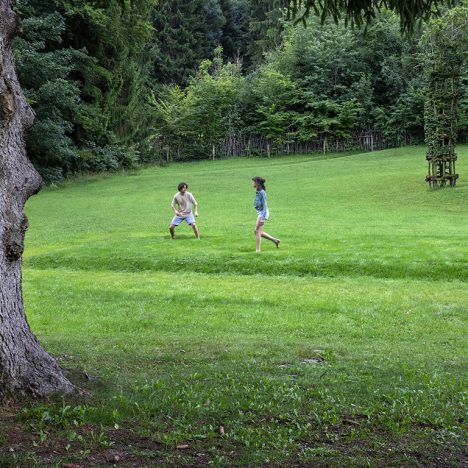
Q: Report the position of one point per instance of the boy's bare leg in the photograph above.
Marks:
(195, 230)
(271, 238)
(171, 230)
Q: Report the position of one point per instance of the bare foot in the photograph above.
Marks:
(277, 242)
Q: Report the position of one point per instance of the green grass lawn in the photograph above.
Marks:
(346, 346)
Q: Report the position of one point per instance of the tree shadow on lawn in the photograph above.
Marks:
(227, 262)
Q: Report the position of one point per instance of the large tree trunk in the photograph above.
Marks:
(25, 368)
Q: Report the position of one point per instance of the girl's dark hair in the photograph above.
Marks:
(182, 184)
(260, 182)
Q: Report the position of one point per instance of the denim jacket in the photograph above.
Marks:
(260, 204)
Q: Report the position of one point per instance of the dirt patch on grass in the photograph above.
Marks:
(353, 441)
(89, 446)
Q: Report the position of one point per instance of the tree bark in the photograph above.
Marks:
(25, 368)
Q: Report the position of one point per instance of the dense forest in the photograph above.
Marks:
(118, 83)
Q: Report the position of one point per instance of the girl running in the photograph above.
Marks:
(260, 204)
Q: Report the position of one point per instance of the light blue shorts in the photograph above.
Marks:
(189, 219)
(263, 218)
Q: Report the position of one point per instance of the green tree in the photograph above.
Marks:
(115, 70)
(185, 34)
(234, 37)
(194, 121)
(270, 104)
(334, 67)
(265, 29)
(170, 121)
(86, 67)
(44, 68)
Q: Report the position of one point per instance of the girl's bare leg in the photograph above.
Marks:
(258, 235)
(271, 238)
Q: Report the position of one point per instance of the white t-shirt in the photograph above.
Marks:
(183, 203)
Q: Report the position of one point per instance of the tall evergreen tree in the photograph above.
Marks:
(44, 68)
(234, 38)
(185, 34)
(92, 63)
(114, 71)
(265, 29)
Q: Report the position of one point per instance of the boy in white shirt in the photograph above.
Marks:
(182, 207)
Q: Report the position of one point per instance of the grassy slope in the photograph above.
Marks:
(371, 277)
(354, 215)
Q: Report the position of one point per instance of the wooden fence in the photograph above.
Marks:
(254, 145)
(246, 145)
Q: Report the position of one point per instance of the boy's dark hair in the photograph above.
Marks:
(260, 182)
(182, 184)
